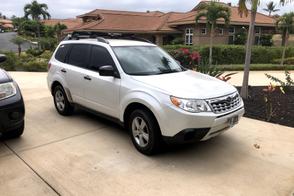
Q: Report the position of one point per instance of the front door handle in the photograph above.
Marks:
(87, 78)
(63, 70)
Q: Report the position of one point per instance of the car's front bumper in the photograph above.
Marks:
(181, 126)
(12, 112)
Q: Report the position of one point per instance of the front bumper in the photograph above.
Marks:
(12, 113)
(185, 127)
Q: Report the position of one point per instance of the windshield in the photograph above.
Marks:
(145, 60)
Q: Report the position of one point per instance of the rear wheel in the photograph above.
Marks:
(61, 102)
(144, 131)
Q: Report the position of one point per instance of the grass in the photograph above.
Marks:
(255, 67)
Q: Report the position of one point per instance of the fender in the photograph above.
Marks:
(59, 78)
(146, 99)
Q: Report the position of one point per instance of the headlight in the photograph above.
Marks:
(190, 105)
(7, 90)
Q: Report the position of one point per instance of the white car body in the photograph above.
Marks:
(111, 96)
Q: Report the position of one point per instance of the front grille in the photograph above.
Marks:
(225, 103)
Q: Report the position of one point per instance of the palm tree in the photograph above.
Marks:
(244, 10)
(271, 7)
(36, 10)
(212, 12)
(286, 24)
(18, 41)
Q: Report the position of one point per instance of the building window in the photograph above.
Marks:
(257, 35)
(232, 30)
(257, 30)
(220, 31)
(189, 36)
(231, 39)
(203, 31)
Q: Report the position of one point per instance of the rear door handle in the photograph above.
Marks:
(63, 70)
(87, 78)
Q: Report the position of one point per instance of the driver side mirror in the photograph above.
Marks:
(107, 70)
(2, 58)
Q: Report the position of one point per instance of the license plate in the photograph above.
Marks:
(233, 120)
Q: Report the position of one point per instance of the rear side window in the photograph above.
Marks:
(62, 52)
(79, 55)
(100, 57)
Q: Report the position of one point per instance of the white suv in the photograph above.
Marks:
(142, 87)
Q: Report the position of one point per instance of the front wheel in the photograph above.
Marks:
(145, 132)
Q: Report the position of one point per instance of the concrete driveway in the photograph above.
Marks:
(86, 155)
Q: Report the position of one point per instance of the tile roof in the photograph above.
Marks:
(236, 19)
(126, 21)
(70, 23)
(154, 21)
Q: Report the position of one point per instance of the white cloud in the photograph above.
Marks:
(72, 8)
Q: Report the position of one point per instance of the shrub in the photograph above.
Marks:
(235, 54)
(48, 43)
(266, 40)
(11, 61)
(36, 64)
(177, 40)
(287, 84)
(34, 51)
(287, 61)
(241, 37)
(186, 58)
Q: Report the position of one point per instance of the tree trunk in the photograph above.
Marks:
(250, 39)
(39, 35)
(19, 50)
(285, 47)
(210, 44)
(283, 38)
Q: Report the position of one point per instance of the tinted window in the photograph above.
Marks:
(79, 55)
(100, 57)
(62, 52)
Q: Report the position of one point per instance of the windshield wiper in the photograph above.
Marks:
(168, 71)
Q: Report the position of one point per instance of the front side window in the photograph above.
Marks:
(145, 60)
(189, 36)
(100, 57)
(79, 55)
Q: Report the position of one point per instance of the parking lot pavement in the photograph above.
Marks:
(85, 155)
(257, 78)
(7, 45)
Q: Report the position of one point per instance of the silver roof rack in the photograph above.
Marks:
(101, 37)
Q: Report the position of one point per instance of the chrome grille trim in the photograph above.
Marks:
(225, 104)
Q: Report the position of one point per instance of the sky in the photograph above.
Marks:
(72, 8)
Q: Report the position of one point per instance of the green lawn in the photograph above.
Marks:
(255, 67)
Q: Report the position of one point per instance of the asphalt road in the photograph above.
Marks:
(86, 155)
(7, 45)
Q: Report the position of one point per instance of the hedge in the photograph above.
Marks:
(25, 62)
(235, 54)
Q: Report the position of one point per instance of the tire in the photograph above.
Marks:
(62, 105)
(14, 133)
(147, 139)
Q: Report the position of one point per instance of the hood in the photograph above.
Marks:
(4, 77)
(188, 84)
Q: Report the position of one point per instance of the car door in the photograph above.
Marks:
(76, 63)
(101, 92)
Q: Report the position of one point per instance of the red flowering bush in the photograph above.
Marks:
(187, 58)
